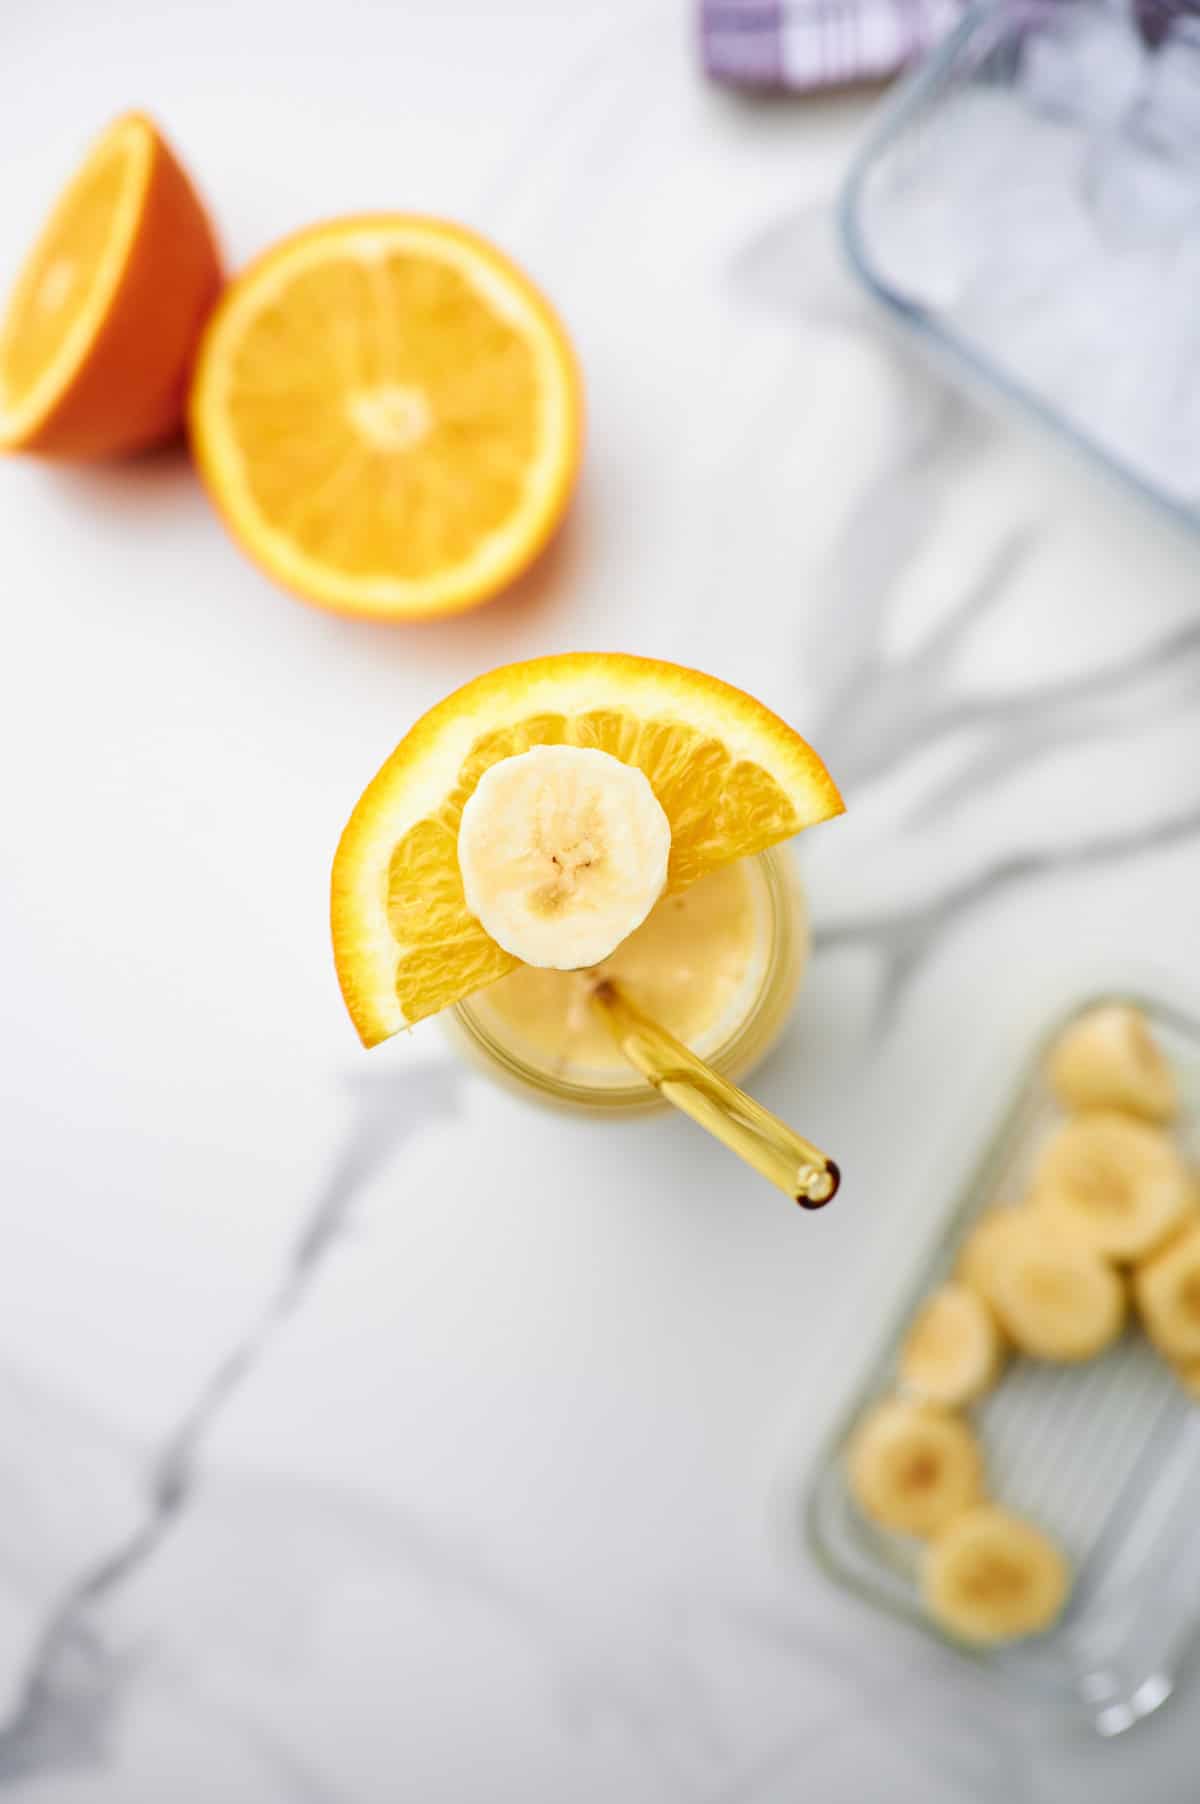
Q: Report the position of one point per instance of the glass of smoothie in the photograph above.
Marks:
(718, 966)
(580, 863)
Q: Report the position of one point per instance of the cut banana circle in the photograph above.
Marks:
(563, 852)
(1108, 1059)
(1116, 1182)
(911, 1467)
(952, 1352)
(1056, 1297)
(978, 1254)
(1167, 1289)
(991, 1576)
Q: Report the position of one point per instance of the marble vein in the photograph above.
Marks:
(74, 1683)
(905, 937)
(879, 712)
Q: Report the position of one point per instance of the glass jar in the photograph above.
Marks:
(741, 1035)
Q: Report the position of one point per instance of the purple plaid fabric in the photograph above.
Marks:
(817, 43)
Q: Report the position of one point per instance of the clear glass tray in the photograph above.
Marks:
(1105, 1455)
(1028, 207)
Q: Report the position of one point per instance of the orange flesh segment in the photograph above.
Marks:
(77, 255)
(57, 282)
(397, 355)
(388, 416)
(718, 811)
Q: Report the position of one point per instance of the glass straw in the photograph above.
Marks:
(794, 1164)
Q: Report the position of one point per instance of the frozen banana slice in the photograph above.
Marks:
(977, 1256)
(1119, 1184)
(912, 1467)
(1167, 1289)
(1108, 1059)
(563, 851)
(991, 1576)
(1055, 1296)
(952, 1352)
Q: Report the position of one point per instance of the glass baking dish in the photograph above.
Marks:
(1104, 1455)
(1027, 206)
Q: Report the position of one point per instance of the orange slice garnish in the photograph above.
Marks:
(731, 776)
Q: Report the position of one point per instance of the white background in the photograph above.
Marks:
(506, 1508)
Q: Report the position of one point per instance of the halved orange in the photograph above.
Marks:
(387, 414)
(731, 776)
(98, 336)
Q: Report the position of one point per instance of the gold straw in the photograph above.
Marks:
(792, 1163)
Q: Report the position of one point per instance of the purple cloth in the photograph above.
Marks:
(807, 44)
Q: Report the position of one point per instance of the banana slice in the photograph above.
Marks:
(563, 852)
(991, 1576)
(1167, 1289)
(978, 1253)
(1109, 1059)
(1119, 1184)
(1056, 1298)
(911, 1467)
(952, 1352)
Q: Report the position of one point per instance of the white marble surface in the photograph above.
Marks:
(365, 1434)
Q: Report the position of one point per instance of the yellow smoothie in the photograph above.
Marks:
(690, 965)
